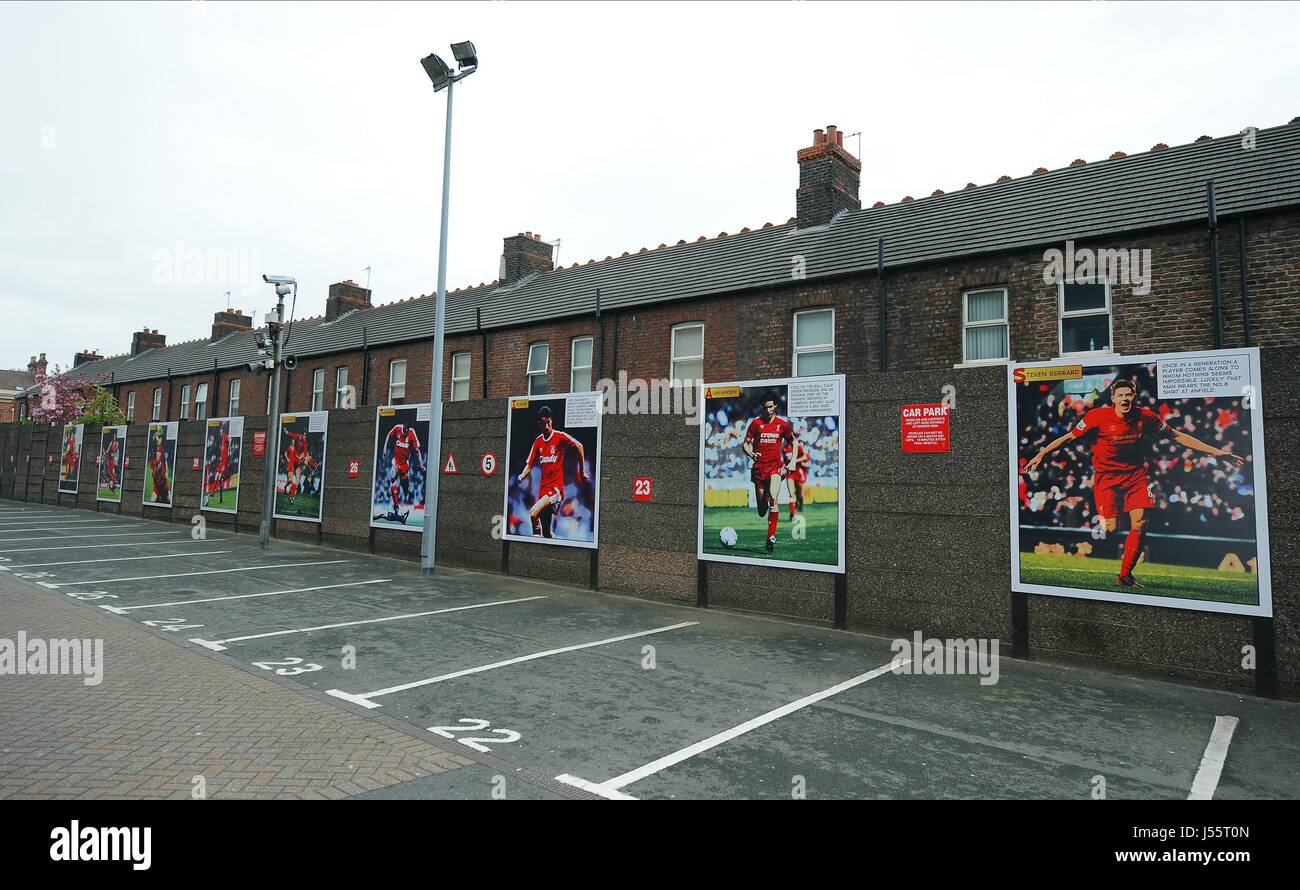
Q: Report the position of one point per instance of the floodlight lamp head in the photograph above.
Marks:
(438, 70)
(465, 55)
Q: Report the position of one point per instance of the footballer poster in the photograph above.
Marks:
(70, 457)
(160, 464)
(771, 471)
(300, 466)
(1141, 480)
(401, 462)
(222, 447)
(112, 450)
(553, 479)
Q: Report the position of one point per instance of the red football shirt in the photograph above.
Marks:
(769, 439)
(1118, 448)
(549, 455)
(406, 438)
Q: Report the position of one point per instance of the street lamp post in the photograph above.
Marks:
(443, 78)
(274, 344)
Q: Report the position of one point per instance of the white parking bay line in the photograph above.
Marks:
(44, 525)
(122, 610)
(364, 698)
(114, 544)
(1216, 752)
(610, 788)
(79, 537)
(219, 645)
(283, 565)
(79, 562)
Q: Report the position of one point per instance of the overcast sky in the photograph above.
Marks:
(304, 138)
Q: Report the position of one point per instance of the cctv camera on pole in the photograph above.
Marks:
(273, 342)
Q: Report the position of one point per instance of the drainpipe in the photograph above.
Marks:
(1245, 290)
(880, 276)
(365, 367)
(482, 337)
(600, 350)
(1214, 264)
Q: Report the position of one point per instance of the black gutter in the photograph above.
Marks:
(1215, 291)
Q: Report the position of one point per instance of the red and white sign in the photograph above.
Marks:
(126, 462)
(449, 468)
(259, 443)
(488, 464)
(49, 460)
(925, 429)
(643, 488)
(354, 468)
(195, 466)
(97, 460)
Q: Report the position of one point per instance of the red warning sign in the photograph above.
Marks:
(195, 465)
(354, 468)
(488, 464)
(925, 429)
(450, 467)
(643, 488)
(259, 443)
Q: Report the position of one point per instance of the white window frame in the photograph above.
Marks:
(1062, 315)
(544, 373)
(318, 389)
(236, 386)
(157, 404)
(201, 402)
(806, 350)
(130, 407)
(392, 365)
(1005, 322)
(674, 358)
(340, 382)
(185, 402)
(469, 368)
(574, 367)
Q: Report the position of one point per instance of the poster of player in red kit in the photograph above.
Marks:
(160, 464)
(401, 463)
(70, 457)
(1141, 480)
(771, 470)
(222, 448)
(300, 466)
(112, 452)
(553, 469)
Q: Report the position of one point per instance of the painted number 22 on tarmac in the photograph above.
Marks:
(478, 743)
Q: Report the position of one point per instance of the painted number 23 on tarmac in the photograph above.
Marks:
(478, 743)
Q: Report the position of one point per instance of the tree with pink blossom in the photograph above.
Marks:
(57, 398)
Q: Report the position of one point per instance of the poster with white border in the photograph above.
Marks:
(552, 478)
(300, 465)
(754, 509)
(1141, 479)
(112, 452)
(70, 457)
(160, 464)
(223, 446)
(401, 463)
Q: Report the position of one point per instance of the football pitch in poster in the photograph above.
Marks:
(112, 451)
(1141, 480)
(771, 473)
(223, 444)
(70, 457)
(552, 478)
(300, 466)
(160, 464)
(401, 463)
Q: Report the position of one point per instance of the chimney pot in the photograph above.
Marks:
(828, 179)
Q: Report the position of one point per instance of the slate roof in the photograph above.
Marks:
(15, 380)
(1154, 189)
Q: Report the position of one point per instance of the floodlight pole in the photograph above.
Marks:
(274, 329)
(433, 468)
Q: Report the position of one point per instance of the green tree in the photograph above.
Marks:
(101, 407)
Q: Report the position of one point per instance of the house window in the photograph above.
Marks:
(340, 386)
(185, 402)
(397, 381)
(201, 402)
(687, 357)
(984, 326)
(539, 355)
(318, 389)
(1084, 317)
(460, 376)
(234, 398)
(130, 407)
(580, 373)
(157, 404)
(814, 342)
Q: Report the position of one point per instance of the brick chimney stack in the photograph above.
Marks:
(86, 355)
(344, 297)
(228, 321)
(828, 179)
(36, 365)
(524, 254)
(145, 339)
